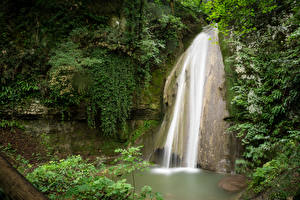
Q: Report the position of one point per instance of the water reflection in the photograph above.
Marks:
(183, 184)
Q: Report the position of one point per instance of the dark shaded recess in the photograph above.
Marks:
(105, 7)
(175, 160)
(158, 155)
(144, 114)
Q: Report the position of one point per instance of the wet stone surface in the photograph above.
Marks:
(233, 183)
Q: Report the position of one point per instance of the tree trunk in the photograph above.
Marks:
(140, 20)
(15, 185)
(199, 5)
(172, 5)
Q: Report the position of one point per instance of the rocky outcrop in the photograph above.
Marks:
(217, 148)
(34, 109)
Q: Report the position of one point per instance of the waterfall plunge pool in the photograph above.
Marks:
(183, 184)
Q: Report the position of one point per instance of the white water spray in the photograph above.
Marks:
(188, 104)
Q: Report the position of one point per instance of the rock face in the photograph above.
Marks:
(33, 109)
(216, 147)
(66, 137)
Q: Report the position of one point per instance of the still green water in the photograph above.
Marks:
(183, 184)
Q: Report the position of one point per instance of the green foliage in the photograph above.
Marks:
(34, 28)
(21, 163)
(279, 177)
(106, 80)
(75, 178)
(128, 162)
(172, 27)
(68, 81)
(137, 133)
(57, 177)
(5, 124)
(80, 53)
(192, 3)
(266, 91)
(112, 90)
(243, 15)
(18, 91)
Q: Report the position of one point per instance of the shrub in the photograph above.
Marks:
(74, 178)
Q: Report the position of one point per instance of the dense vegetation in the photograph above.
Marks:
(84, 54)
(75, 178)
(265, 60)
(99, 55)
(96, 55)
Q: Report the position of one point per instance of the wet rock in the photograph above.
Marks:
(234, 183)
(217, 148)
(224, 165)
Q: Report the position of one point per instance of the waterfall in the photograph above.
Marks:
(185, 120)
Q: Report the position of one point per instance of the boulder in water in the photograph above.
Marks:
(234, 183)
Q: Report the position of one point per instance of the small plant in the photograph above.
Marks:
(21, 163)
(10, 124)
(129, 162)
(45, 140)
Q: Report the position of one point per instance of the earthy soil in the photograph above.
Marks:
(17, 142)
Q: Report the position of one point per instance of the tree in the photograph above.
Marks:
(242, 15)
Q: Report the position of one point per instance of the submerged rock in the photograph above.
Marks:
(234, 183)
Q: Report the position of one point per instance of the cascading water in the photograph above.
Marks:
(186, 115)
(193, 124)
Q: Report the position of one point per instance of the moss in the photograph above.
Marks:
(152, 95)
(73, 139)
(142, 127)
(229, 72)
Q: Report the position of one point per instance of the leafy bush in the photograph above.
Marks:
(18, 91)
(266, 92)
(67, 77)
(279, 177)
(67, 177)
(128, 162)
(75, 178)
(243, 15)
